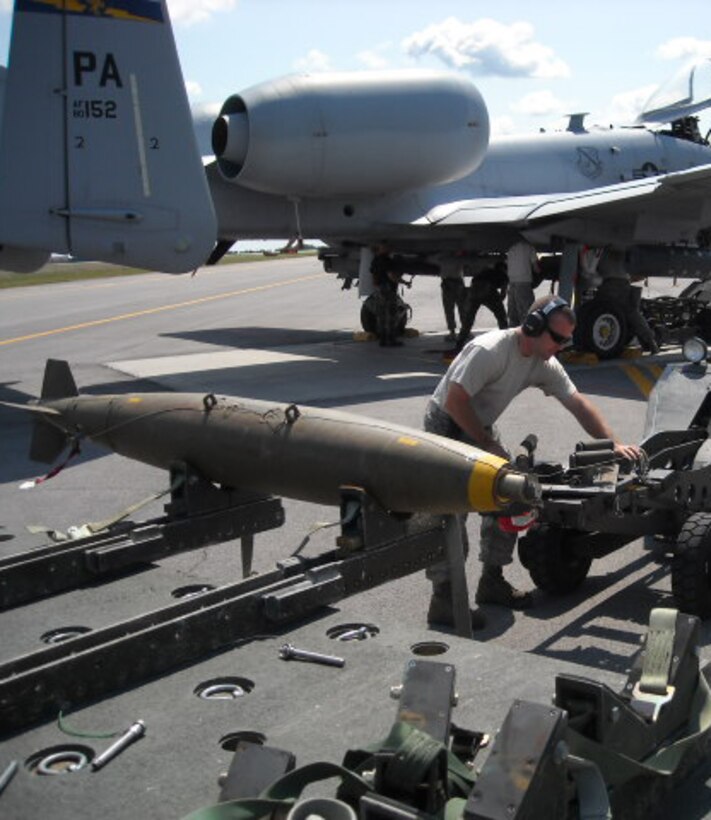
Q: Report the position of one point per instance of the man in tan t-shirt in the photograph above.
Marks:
(478, 386)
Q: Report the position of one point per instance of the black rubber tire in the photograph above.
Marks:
(552, 567)
(691, 566)
(601, 329)
(368, 316)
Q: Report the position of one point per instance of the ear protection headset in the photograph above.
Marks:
(537, 320)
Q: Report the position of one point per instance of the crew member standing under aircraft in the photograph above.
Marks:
(480, 383)
(616, 287)
(521, 264)
(454, 298)
(386, 280)
(486, 289)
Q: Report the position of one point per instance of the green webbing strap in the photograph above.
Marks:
(617, 768)
(245, 809)
(406, 738)
(593, 802)
(281, 794)
(658, 651)
(293, 783)
(413, 751)
(414, 757)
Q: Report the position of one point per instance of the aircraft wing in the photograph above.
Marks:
(667, 208)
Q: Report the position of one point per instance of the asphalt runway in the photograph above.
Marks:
(282, 330)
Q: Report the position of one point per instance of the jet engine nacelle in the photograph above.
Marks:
(364, 134)
(22, 260)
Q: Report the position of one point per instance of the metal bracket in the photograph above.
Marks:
(125, 654)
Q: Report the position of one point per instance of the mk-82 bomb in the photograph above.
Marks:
(295, 451)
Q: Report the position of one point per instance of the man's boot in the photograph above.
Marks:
(493, 588)
(441, 611)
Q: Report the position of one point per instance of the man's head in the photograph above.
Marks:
(547, 327)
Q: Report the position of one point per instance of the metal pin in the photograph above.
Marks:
(359, 634)
(7, 775)
(289, 652)
(134, 732)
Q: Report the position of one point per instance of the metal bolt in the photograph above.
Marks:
(8, 774)
(133, 733)
(354, 634)
(289, 652)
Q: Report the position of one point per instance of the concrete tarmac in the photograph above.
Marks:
(282, 330)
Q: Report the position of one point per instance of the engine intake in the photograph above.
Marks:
(354, 134)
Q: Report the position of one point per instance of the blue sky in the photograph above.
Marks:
(533, 61)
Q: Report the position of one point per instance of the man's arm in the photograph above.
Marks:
(593, 422)
(458, 407)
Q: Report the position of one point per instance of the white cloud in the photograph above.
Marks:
(684, 47)
(501, 126)
(314, 61)
(540, 103)
(487, 47)
(6, 5)
(624, 108)
(194, 89)
(206, 110)
(371, 59)
(196, 11)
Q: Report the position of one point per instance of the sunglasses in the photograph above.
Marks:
(559, 339)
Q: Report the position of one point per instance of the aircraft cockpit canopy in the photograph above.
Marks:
(686, 93)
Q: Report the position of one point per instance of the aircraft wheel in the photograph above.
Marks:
(601, 329)
(369, 316)
(691, 566)
(552, 566)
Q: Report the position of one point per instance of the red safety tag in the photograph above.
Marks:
(26, 485)
(517, 523)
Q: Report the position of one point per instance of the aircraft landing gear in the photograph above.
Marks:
(369, 315)
(602, 328)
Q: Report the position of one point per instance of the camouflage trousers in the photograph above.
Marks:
(495, 546)
(386, 314)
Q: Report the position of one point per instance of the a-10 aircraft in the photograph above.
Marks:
(99, 159)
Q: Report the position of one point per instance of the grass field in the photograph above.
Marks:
(72, 271)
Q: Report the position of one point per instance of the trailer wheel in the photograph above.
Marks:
(552, 566)
(691, 566)
(601, 329)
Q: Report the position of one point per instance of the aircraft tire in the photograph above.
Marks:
(601, 329)
(368, 316)
(691, 566)
(552, 567)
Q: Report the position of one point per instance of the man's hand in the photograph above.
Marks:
(628, 451)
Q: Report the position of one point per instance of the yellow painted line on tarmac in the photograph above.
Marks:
(161, 309)
(637, 375)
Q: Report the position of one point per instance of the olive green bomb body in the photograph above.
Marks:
(300, 452)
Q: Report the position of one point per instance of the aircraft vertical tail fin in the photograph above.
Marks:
(98, 155)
